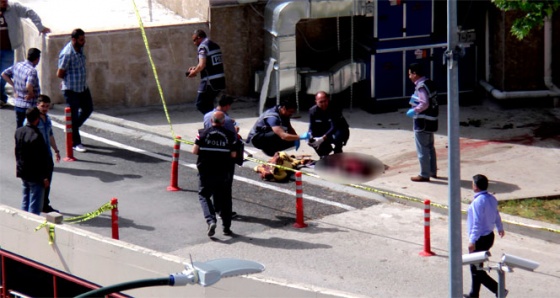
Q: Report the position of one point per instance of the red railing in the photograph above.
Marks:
(5, 291)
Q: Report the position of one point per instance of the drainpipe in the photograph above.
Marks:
(548, 55)
(553, 90)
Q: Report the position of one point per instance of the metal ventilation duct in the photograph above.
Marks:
(280, 22)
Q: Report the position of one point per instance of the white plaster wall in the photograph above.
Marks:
(106, 261)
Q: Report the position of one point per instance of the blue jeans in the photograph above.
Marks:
(81, 106)
(6, 60)
(20, 116)
(426, 153)
(32, 196)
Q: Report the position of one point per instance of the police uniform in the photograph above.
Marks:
(263, 137)
(329, 123)
(214, 171)
(212, 76)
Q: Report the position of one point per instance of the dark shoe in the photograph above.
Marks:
(49, 208)
(506, 292)
(211, 229)
(233, 215)
(228, 232)
(433, 176)
(419, 179)
(469, 296)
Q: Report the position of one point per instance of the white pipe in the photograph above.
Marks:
(553, 92)
(548, 55)
(497, 94)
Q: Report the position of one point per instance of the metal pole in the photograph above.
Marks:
(501, 282)
(454, 199)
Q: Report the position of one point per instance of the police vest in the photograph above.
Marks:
(215, 147)
(261, 125)
(214, 68)
(427, 120)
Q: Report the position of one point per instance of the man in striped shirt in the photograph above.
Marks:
(72, 71)
(23, 77)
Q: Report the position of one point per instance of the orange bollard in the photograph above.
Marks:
(299, 202)
(427, 252)
(68, 130)
(115, 218)
(173, 186)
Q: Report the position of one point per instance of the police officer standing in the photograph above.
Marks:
(211, 69)
(215, 147)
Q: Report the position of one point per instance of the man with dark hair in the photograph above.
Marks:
(327, 126)
(23, 77)
(72, 71)
(273, 131)
(224, 105)
(482, 217)
(11, 36)
(45, 127)
(215, 147)
(424, 111)
(211, 69)
(33, 163)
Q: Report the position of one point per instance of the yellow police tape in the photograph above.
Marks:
(398, 196)
(146, 44)
(76, 219)
(370, 189)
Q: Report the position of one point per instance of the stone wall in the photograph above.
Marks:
(119, 72)
(518, 65)
(239, 32)
(191, 9)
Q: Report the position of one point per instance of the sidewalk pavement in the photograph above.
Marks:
(374, 252)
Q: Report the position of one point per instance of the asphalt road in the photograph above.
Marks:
(137, 173)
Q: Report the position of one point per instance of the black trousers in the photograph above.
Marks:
(214, 195)
(46, 200)
(270, 143)
(480, 277)
(338, 139)
(81, 107)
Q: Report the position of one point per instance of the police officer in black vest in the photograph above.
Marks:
(211, 69)
(215, 147)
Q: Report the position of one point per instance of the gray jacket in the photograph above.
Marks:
(13, 15)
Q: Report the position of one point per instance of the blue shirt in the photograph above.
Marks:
(482, 216)
(74, 63)
(229, 124)
(24, 73)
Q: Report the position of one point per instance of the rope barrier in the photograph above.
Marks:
(81, 218)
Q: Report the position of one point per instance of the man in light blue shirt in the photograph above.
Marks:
(482, 217)
(72, 71)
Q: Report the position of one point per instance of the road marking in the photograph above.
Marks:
(193, 166)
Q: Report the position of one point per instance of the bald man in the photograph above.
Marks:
(215, 147)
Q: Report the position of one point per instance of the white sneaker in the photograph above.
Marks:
(80, 148)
